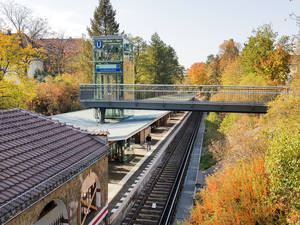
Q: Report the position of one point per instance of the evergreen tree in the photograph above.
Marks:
(165, 68)
(104, 22)
(156, 63)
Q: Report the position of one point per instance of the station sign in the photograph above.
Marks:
(106, 68)
(98, 44)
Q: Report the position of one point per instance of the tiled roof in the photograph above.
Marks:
(37, 155)
(69, 46)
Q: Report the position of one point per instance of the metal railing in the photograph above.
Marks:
(175, 93)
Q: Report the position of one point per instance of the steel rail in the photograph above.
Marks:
(155, 177)
(171, 202)
(158, 179)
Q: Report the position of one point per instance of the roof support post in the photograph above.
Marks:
(102, 110)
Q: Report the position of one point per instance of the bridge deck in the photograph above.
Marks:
(178, 106)
(207, 98)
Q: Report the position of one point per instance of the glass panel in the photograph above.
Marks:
(108, 50)
(113, 64)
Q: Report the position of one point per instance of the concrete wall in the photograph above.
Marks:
(69, 193)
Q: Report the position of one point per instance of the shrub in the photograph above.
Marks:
(238, 194)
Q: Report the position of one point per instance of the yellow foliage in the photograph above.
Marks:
(232, 74)
(15, 58)
(13, 94)
(237, 194)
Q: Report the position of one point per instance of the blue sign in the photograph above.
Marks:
(106, 68)
(98, 44)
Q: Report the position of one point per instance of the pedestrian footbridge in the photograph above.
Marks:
(206, 98)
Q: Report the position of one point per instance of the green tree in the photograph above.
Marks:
(266, 55)
(160, 63)
(284, 166)
(104, 22)
(209, 59)
(139, 52)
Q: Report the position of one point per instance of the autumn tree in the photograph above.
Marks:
(228, 52)
(216, 64)
(58, 94)
(197, 74)
(233, 73)
(214, 70)
(14, 94)
(14, 57)
(103, 22)
(266, 55)
(237, 195)
(61, 53)
(81, 62)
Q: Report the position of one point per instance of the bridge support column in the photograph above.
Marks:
(102, 110)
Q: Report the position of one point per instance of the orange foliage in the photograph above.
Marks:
(238, 194)
(229, 52)
(276, 66)
(197, 74)
(57, 95)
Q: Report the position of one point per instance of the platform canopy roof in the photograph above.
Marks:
(38, 155)
(117, 129)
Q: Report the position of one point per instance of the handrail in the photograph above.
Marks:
(171, 85)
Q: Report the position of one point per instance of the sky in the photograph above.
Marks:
(194, 28)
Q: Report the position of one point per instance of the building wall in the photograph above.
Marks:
(33, 67)
(69, 193)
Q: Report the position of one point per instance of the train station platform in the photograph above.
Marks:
(121, 134)
(186, 198)
(119, 174)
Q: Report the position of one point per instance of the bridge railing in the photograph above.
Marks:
(170, 93)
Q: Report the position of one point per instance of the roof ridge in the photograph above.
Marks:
(53, 120)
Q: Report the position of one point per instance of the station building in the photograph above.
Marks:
(51, 173)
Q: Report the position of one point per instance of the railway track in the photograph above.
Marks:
(156, 202)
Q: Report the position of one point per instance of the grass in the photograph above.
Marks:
(207, 160)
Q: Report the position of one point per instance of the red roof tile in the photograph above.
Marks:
(38, 154)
